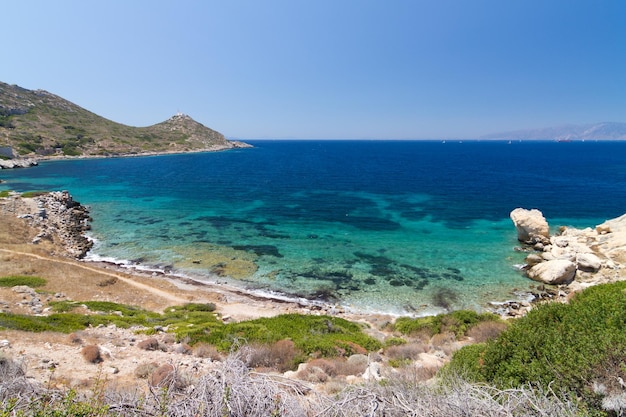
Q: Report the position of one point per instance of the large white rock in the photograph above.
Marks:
(530, 224)
(557, 252)
(558, 271)
(17, 163)
(588, 262)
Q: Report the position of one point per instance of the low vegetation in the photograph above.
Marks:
(313, 335)
(458, 322)
(577, 348)
(14, 280)
(568, 359)
(197, 323)
(33, 194)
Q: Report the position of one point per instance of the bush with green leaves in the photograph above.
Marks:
(13, 280)
(575, 347)
(311, 335)
(457, 322)
(32, 194)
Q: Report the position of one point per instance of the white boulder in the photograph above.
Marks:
(588, 262)
(373, 372)
(530, 224)
(533, 259)
(558, 271)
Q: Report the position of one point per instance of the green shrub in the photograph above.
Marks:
(467, 363)
(71, 150)
(5, 193)
(400, 363)
(13, 280)
(319, 335)
(64, 306)
(27, 147)
(32, 194)
(395, 341)
(457, 322)
(205, 307)
(63, 323)
(566, 347)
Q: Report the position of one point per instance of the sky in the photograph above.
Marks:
(324, 69)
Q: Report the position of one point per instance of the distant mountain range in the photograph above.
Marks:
(37, 123)
(596, 131)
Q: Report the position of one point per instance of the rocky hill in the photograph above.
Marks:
(36, 123)
(595, 131)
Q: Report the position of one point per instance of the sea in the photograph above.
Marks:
(380, 226)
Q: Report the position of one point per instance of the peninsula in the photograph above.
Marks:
(36, 124)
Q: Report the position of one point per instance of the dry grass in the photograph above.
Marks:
(14, 383)
(232, 389)
(163, 375)
(279, 356)
(204, 350)
(91, 353)
(486, 330)
(440, 340)
(415, 372)
(145, 369)
(149, 344)
(409, 351)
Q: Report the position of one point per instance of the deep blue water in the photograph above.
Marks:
(377, 225)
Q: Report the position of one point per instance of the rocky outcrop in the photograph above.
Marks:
(576, 257)
(67, 219)
(17, 163)
(531, 226)
(58, 217)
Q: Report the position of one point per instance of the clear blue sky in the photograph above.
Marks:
(326, 68)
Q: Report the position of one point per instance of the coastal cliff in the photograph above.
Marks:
(37, 124)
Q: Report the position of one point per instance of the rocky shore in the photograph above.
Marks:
(18, 163)
(565, 262)
(569, 260)
(58, 218)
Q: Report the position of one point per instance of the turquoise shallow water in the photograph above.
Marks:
(377, 226)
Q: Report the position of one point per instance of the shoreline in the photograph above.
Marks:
(57, 218)
(50, 243)
(31, 161)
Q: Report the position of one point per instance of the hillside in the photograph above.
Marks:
(596, 131)
(37, 123)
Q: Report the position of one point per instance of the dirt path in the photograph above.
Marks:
(155, 291)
